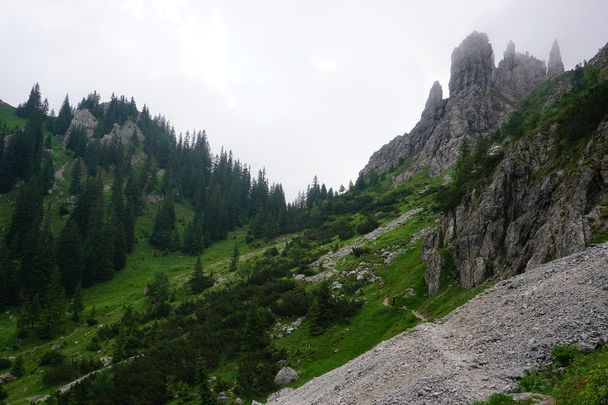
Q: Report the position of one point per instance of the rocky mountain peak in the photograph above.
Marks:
(555, 65)
(472, 64)
(510, 51)
(435, 97)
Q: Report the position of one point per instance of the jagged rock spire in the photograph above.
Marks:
(472, 64)
(510, 51)
(435, 96)
(555, 65)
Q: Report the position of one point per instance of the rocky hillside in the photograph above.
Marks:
(482, 347)
(481, 97)
(548, 196)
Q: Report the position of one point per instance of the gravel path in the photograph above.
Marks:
(480, 348)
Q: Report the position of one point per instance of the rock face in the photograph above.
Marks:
(83, 119)
(480, 348)
(524, 218)
(285, 376)
(125, 133)
(555, 65)
(481, 97)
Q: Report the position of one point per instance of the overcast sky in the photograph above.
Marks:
(300, 87)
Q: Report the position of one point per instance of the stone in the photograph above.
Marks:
(238, 401)
(555, 65)
(285, 376)
(222, 398)
(106, 360)
(57, 346)
(7, 377)
(254, 402)
(82, 119)
(472, 64)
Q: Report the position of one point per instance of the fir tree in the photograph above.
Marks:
(75, 181)
(70, 256)
(203, 384)
(77, 303)
(53, 311)
(48, 174)
(129, 227)
(164, 232)
(199, 282)
(234, 261)
(64, 118)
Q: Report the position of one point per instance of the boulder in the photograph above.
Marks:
(7, 377)
(285, 376)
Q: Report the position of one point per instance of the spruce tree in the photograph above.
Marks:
(129, 227)
(62, 123)
(70, 256)
(203, 384)
(26, 217)
(164, 232)
(77, 303)
(48, 174)
(75, 181)
(234, 261)
(199, 282)
(53, 311)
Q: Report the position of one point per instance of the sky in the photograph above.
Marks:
(302, 88)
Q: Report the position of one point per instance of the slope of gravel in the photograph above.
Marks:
(480, 348)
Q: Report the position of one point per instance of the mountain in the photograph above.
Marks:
(481, 97)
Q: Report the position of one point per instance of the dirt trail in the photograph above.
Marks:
(480, 348)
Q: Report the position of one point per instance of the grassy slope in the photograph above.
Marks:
(403, 280)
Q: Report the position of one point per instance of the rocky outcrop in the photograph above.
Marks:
(481, 348)
(530, 212)
(600, 60)
(481, 97)
(555, 65)
(517, 74)
(82, 119)
(126, 133)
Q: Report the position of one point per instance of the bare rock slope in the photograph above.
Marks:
(480, 348)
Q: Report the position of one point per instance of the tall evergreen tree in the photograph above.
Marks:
(70, 257)
(75, 182)
(203, 384)
(48, 174)
(63, 120)
(77, 303)
(199, 282)
(164, 234)
(234, 260)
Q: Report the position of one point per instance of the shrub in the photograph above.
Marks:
(596, 392)
(18, 368)
(368, 225)
(564, 354)
(292, 303)
(359, 251)
(5, 363)
(52, 357)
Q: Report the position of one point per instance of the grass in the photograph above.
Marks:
(574, 377)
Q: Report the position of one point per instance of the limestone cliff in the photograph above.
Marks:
(543, 201)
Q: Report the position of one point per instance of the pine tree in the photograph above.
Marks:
(158, 296)
(77, 303)
(164, 232)
(234, 261)
(48, 174)
(53, 311)
(129, 227)
(26, 218)
(70, 257)
(62, 123)
(203, 384)
(75, 181)
(199, 282)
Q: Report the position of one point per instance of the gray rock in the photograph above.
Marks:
(254, 402)
(285, 376)
(57, 346)
(82, 119)
(7, 377)
(555, 65)
(222, 398)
